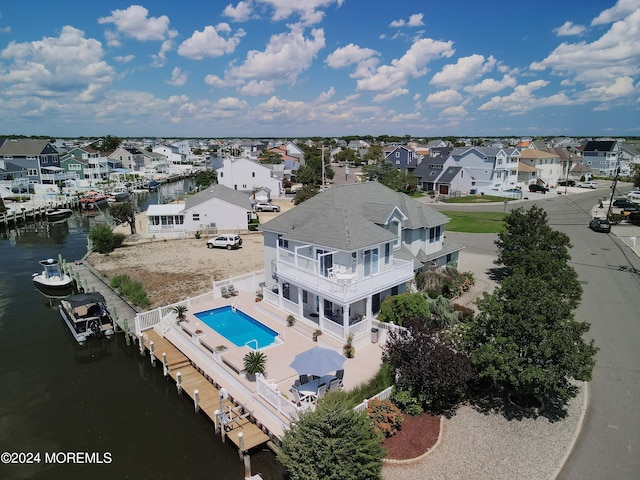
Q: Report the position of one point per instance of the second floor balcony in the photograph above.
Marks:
(341, 283)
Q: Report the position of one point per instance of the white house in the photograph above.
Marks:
(213, 210)
(332, 260)
(490, 168)
(248, 175)
(548, 165)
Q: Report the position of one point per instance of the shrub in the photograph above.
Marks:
(406, 402)
(398, 308)
(465, 313)
(130, 289)
(385, 417)
(102, 239)
(118, 239)
(447, 281)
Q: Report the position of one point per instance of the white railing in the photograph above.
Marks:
(358, 328)
(390, 327)
(332, 328)
(383, 395)
(272, 395)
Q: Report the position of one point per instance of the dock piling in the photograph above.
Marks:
(240, 444)
(152, 355)
(165, 366)
(179, 382)
(196, 400)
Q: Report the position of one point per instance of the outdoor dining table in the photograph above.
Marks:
(310, 389)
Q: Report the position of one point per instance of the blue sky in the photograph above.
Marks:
(287, 68)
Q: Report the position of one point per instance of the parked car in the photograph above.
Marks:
(600, 225)
(634, 194)
(513, 193)
(625, 205)
(568, 183)
(266, 207)
(225, 241)
(589, 184)
(634, 218)
(538, 188)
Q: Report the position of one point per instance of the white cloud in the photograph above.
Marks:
(257, 87)
(465, 70)
(412, 64)
(523, 100)
(490, 85)
(620, 87)
(215, 81)
(124, 58)
(69, 65)
(415, 20)
(239, 13)
(134, 22)
(160, 58)
(620, 10)
(178, 77)
(211, 42)
(568, 29)
(287, 55)
(383, 97)
(307, 10)
(614, 54)
(344, 56)
(457, 111)
(326, 96)
(444, 97)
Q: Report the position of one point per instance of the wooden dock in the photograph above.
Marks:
(207, 399)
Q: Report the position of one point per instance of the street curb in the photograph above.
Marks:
(576, 434)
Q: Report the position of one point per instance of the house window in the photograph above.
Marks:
(397, 162)
(397, 154)
(196, 217)
(282, 242)
(32, 172)
(221, 174)
(449, 257)
(434, 234)
(253, 174)
(387, 253)
(498, 174)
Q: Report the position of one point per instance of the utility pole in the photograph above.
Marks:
(613, 187)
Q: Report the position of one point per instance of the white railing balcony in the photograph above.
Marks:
(343, 288)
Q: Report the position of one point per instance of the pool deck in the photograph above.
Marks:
(197, 341)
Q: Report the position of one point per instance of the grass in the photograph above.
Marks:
(477, 199)
(475, 222)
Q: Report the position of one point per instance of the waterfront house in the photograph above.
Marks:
(131, 158)
(39, 157)
(247, 176)
(490, 168)
(332, 260)
(213, 210)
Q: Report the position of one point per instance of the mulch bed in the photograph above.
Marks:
(418, 434)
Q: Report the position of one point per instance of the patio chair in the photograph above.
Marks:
(322, 391)
(340, 376)
(334, 385)
(224, 292)
(300, 399)
(232, 290)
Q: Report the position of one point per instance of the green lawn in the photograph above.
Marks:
(475, 222)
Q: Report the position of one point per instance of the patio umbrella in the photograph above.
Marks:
(317, 361)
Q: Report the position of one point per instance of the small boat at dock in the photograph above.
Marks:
(118, 193)
(86, 315)
(55, 214)
(52, 276)
(92, 199)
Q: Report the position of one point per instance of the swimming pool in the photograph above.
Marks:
(238, 327)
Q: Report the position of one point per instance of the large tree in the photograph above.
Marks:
(311, 172)
(388, 175)
(525, 337)
(332, 443)
(123, 212)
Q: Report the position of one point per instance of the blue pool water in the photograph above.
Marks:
(238, 327)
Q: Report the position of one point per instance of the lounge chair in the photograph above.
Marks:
(232, 290)
(340, 375)
(225, 292)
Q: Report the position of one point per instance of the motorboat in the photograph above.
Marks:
(52, 276)
(86, 315)
(92, 199)
(118, 193)
(55, 214)
(153, 185)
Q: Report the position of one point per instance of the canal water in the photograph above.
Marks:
(98, 410)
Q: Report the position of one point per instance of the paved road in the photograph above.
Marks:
(609, 444)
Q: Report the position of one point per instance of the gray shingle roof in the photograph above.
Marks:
(351, 216)
(219, 191)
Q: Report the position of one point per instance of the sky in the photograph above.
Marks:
(296, 68)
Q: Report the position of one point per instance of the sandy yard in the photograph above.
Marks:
(173, 270)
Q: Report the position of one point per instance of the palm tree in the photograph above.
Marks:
(180, 311)
(254, 362)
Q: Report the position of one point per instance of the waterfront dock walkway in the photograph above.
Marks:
(89, 280)
(189, 380)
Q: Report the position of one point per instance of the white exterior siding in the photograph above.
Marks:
(247, 175)
(225, 216)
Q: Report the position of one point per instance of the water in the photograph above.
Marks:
(102, 398)
(238, 327)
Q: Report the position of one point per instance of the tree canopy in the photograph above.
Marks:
(270, 157)
(525, 337)
(332, 443)
(123, 212)
(206, 178)
(399, 308)
(388, 175)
